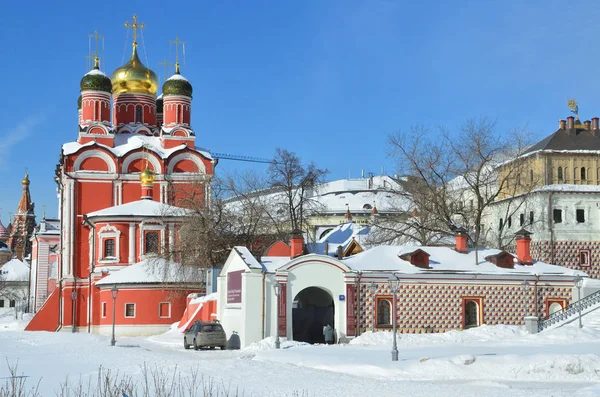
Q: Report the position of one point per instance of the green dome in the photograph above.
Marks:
(96, 80)
(79, 102)
(177, 85)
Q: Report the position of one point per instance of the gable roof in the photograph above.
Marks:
(14, 270)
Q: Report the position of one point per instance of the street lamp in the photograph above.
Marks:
(579, 283)
(73, 300)
(373, 289)
(393, 281)
(114, 292)
(277, 288)
(525, 284)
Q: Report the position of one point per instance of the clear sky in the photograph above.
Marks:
(328, 79)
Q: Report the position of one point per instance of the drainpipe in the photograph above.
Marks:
(92, 268)
(358, 303)
(264, 319)
(535, 290)
(551, 224)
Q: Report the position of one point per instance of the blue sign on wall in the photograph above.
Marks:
(342, 297)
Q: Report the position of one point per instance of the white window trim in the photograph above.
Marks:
(125, 310)
(109, 232)
(149, 226)
(589, 258)
(168, 305)
(103, 309)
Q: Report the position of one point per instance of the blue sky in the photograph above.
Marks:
(326, 79)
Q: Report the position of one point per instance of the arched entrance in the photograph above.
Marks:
(312, 310)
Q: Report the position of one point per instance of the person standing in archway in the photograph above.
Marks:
(328, 333)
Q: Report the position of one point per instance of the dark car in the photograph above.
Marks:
(205, 335)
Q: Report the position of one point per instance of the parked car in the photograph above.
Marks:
(205, 335)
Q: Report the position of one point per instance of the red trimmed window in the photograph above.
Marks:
(384, 312)
(130, 310)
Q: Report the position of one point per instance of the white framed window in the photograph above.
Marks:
(108, 244)
(584, 258)
(103, 309)
(164, 310)
(152, 237)
(130, 310)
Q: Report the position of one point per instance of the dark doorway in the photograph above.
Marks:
(312, 310)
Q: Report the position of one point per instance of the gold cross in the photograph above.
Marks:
(134, 26)
(96, 36)
(94, 56)
(165, 64)
(177, 42)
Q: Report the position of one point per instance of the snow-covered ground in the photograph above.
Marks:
(486, 361)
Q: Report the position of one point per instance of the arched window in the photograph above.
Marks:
(384, 311)
(560, 174)
(367, 207)
(138, 114)
(471, 314)
(583, 173)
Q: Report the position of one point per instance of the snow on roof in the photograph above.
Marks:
(140, 208)
(247, 257)
(14, 270)
(569, 188)
(96, 72)
(445, 259)
(177, 77)
(151, 271)
(125, 143)
(340, 235)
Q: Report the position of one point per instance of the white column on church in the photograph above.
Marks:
(131, 243)
(171, 236)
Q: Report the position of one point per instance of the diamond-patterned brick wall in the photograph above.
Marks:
(566, 253)
(439, 307)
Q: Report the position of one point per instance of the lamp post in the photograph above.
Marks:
(73, 300)
(579, 283)
(525, 284)
(373, 289)
(114, 292)
(277, 288)
(393, 281)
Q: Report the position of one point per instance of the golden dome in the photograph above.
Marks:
(134, 77)
(25, 180)
(147, 176)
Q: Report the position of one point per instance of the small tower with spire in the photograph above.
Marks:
(23, 224)
(348, 215)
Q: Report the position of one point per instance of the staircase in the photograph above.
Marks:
(569, 314)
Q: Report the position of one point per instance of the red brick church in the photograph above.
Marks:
(120, 183)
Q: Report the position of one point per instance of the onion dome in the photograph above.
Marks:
(25, 180)
(134, 77)
(177, 84)
(79, 102)
(159, 104)
(147, 176)
(95, 79)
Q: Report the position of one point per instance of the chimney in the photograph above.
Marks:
(562, 124)
(296, 243)
(461, 240)
(594, 123)
(570, 122)
(340, 252)
(523, 239)
(147, 179)
(586, 124)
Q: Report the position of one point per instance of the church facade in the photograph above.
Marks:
(121, 184)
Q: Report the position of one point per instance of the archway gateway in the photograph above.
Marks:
(312, 310)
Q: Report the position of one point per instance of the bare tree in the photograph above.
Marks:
(296, 182)
(455, 174)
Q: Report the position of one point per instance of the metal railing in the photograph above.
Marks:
(569, 311)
